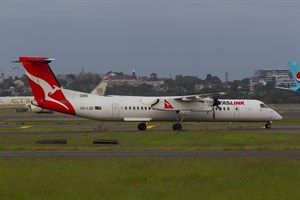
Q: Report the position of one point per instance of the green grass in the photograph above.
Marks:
(150, 177)
(158, 140)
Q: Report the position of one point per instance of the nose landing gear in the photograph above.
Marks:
(268, 125)
(142, 126)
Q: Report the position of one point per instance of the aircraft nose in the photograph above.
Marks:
(276, 116)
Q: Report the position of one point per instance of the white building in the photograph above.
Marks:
(278, 77)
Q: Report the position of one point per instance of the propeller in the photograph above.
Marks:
(216, 102)
(215, 105)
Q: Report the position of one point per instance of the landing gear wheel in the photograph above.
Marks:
(177, 127)
(142, 126)
(268, 126)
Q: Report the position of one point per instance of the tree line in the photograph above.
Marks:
(180, 85)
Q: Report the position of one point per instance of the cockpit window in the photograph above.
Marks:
(263, 106)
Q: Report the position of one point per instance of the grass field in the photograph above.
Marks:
(80, 136)
(150, 177)
(147, 177)
(158, 140)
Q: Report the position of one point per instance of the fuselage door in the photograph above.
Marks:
(115, 110)
(236, 112)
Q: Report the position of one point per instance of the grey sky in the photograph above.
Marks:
(168, 37)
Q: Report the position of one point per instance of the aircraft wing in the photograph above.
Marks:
(283, 88)
(198, 97)
(189, 103)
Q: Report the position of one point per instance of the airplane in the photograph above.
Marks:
(50, 95)
(23, 103)
(100, 89)
(295, 70)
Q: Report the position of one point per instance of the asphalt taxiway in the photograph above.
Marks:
(92, 128)
(19, 117)
(275, 153)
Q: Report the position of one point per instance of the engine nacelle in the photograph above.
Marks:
(203, 105)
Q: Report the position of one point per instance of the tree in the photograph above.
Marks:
(153, 77)
(209, 78)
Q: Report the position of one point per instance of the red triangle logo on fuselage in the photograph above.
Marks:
(168, 105)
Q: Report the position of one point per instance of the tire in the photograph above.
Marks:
(268, 126)
(142, 126)
(177, 127)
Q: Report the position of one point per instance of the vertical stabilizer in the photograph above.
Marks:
(295, 70)
(100, 89)
(45, 87)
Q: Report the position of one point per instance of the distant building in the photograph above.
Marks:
(278, 77)
(119, 76)
(19, 83)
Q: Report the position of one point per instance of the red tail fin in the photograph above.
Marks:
(45, 87)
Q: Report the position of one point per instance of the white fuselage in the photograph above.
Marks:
(15, 102)
(141, 109)
(21, 104)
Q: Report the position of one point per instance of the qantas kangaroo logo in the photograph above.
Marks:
(167, 105)
(50, 96)
(48, 90)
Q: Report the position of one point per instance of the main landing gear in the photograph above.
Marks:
(180, 116)
(142, 126)
(177, 127)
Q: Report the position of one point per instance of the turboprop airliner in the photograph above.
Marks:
(50, 95)
(295, 70)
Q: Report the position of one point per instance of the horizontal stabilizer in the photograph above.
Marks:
(34, 60)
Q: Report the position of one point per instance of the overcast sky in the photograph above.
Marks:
(168, 37)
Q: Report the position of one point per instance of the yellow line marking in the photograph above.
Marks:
(25, 127)
(151, 126)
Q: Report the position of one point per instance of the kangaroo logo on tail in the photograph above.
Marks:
(46, 89)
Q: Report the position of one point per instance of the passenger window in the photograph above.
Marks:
(236, 108)
(224, 108)
(227, 108)
(125, 107)
(137, 108)
(142, 108)
(133, 107)
(129, 107)
(263, 105)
